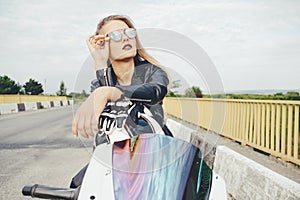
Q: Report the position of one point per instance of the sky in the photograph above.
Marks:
(253, 45)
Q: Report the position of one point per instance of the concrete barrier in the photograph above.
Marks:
(56, 103)
(46, 104)
(30, 105)
(65, 102)
(39, 105)
(8, 108)
(245, 178)
(19, 107)
(71, 102)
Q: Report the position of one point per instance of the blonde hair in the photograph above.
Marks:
(141, 52)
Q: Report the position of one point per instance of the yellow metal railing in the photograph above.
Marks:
(7, 98)
(271, 126)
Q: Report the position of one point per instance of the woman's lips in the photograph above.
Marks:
(127, 47)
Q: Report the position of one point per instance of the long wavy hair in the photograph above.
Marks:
(141, 52)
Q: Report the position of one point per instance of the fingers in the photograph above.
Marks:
(99, 37)
(94, 41)
(103, 42)
(77, 125)
(89, 44)
(94, 124)
(86, 119)
(85, 125)
(74, 128)
(82, 128)
(99, 40)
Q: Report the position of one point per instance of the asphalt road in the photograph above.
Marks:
(38, 147)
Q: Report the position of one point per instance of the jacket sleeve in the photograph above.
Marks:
(152, 91)
(103, 79)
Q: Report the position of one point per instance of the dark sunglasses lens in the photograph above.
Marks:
(115, 35)
(130, 32)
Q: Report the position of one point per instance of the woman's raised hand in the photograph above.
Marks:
(99, 48)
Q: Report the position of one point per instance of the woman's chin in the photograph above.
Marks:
(126, 56)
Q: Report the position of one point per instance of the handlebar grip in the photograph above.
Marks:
(46, 192)
(26, 191)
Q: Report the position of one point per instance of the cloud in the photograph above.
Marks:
(247, 40)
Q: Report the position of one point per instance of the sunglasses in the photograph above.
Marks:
(117, 35)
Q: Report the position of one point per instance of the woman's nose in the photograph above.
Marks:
(124, 37)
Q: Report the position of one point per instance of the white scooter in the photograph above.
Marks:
(146, 166)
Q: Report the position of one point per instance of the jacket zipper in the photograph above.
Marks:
(142, 100)
(105, 76)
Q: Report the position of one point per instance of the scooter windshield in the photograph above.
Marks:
(154, 166)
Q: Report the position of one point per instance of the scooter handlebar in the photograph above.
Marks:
(46, 192)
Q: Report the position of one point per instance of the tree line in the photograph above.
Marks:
(31, 87)
(193, 92)
(277, 96)
(196, 92)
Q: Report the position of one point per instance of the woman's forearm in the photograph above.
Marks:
(110, 93)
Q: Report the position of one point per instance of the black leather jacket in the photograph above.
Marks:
(148, 86)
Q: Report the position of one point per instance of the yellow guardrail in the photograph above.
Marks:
(271, 126)
(7, 98)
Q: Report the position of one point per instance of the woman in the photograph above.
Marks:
(125, 72)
